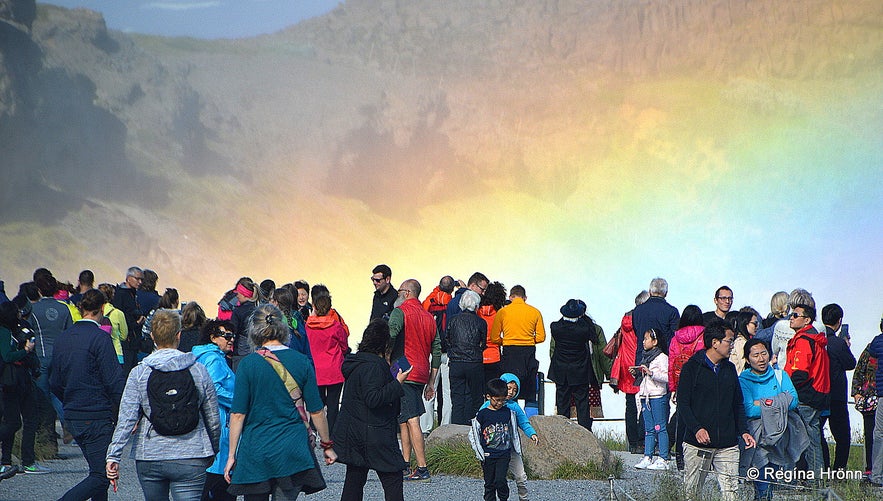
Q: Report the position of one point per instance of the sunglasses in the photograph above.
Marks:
(798, 315)
(226, 335)
(377, 280)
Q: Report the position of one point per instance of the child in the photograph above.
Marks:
(516, 464)
(652, 378)
(494, 435)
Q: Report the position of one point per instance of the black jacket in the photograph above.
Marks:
(655, 313)
(842, 360)
(383, 303)
(711, 401)
(365, 432)
(571, 363)
(125, 300)
(240, 316)
(467, 337)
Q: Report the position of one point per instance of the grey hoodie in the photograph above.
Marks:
(149, 445)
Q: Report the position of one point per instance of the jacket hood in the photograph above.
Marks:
(688, 335)
(748, 375)
(508, 377)
(810, 332)
(354, 360)
(169, 359)
(201, 349)
(314, 322)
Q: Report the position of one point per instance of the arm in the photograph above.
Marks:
(496, 335)
(741, 422)
(6, 352)
(376, 396)
(236, 422)
(788, 386)
(209, 409)
(847, 359)
(223, 379)
(109, 369)
(521, 418)
(429, 391)
(540, 334)
(659, 369)
(396, 323)
(752, 406)
(685, 397)
(124, 327)
(321, 424)
(129, 415)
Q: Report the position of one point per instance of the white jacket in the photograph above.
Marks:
(655, 384)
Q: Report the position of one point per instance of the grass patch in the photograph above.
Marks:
(612, 440)
(568, 470)
(453, 459)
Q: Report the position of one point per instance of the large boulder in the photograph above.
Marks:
(560, 441)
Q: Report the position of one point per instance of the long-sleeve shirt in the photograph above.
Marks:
(518, 324)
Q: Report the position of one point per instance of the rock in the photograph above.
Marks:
(561, 440)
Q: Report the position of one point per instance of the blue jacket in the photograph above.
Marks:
(875, 349)
(520, 416)
(841, 360)
(763, 386)
(86, 375)
(215, 363)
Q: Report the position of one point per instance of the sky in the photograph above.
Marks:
(203, 18)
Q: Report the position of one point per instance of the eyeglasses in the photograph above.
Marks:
(727, 299)
(798, 315)
(728, 340)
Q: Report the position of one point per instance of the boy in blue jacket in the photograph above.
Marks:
(516, 464)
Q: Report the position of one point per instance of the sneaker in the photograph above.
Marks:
(658, 464)
(420, 474)
(35, 469)
(8, 471)
(644, 463)
(406, 473)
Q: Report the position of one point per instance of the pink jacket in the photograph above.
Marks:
(328, 345)
(684, 344)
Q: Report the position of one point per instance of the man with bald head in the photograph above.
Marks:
(414, 335)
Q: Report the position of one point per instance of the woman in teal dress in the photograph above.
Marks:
(270, 451)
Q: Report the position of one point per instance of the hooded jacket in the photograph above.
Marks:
(809, 367)
(491, 354)
(148, 445)
(763, 386)
(686, 342)
(620, 377)
(215, 362)
(328, 346)
(517, 411)
(365, 431)
(712, 401)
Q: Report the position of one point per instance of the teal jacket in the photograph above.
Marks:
(215, 363)
(763, 386)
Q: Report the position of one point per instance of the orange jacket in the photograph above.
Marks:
(491, 354)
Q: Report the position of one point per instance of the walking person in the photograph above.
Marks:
(367, 425)
(170, 407)
(328, 345)
(88, 379)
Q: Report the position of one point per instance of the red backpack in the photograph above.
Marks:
(674, 375)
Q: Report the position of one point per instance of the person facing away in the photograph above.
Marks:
(88, 380)
(570, 366)
(494, 437)
(167, 460)
(518, 328)
(655, 313)
(516, 464)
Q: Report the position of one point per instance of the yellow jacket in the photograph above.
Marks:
(120, 330)
(518, 324)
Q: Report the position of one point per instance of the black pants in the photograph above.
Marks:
(838, 421)
(868, 418)
(331, 398)
(216, 488)
(93, 437)
(634, 426)
(467, 390)
(522, 361)
(495, 484)
(354, 485)
(20, 411)
(580, 395)
(492, 371)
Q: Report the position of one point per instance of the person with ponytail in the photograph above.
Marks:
(247, 294)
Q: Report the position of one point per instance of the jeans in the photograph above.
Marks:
(580, 395)
(838, 421)
(723, 462)
(93, 437)
(20, 411)
(764, 490)
(655, 412)
(467, 390)
(813, 454)
(43, 385)
(495, 484)
(184, 478)
(354, 485)
(877, 459)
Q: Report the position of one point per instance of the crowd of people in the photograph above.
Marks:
(235, 405)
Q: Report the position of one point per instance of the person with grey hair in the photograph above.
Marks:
(656, 314)
(467, 339)
(125, 299)
(782, 331)
(274, 398)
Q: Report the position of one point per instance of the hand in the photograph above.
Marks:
(645, 369)
(749, 440)
(536, 439)
(461, 283)
(402, 376)
(112, 470)
(330, 456)
(674, 397)
(702, 437)
(429, 393)
(228, 470)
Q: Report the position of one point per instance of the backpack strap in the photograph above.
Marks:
(778, 373)
(293, 388)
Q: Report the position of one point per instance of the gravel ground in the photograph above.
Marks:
(69, 470)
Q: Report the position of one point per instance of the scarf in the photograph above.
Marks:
(649, 356)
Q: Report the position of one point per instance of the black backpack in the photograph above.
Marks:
(174, 402)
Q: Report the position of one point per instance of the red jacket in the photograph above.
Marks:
(619, 373)
(328, 345)
(809, 367)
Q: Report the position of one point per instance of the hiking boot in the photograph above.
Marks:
(35, 469)
(658, 464)
(420, 474)
(647, 461)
